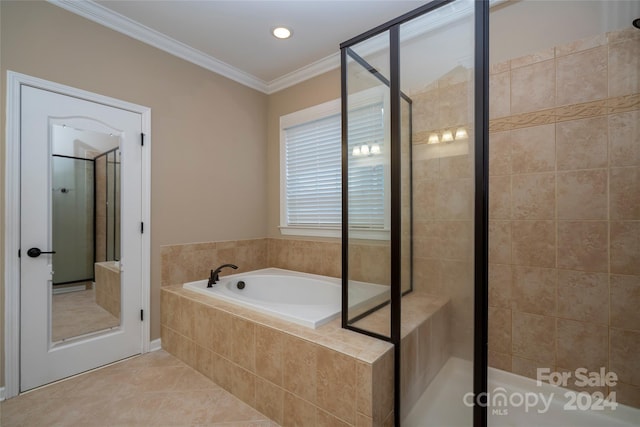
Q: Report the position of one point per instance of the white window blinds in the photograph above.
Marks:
(313, 162)
(367, 167)
(312, 188)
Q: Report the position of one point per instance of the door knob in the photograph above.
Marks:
(36, 252)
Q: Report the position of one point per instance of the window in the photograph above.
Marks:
(310, 188)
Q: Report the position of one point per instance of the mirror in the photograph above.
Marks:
(85, 200)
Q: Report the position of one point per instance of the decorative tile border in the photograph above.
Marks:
(583, 110)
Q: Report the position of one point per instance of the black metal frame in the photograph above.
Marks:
(481, 195)
(106, 153)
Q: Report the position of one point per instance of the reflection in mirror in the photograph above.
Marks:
(85, 209)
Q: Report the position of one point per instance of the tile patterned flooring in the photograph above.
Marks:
(77, 313)
(154, 389)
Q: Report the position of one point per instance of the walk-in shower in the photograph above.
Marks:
(539, 280)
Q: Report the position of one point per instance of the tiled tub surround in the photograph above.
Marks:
(370, 261)
(107, 285)
(565, 211)
(297, 375)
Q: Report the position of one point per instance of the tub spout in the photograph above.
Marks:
(214, 277)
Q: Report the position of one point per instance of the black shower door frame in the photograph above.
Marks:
(481, 197)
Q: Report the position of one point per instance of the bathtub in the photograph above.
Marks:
(306, 299)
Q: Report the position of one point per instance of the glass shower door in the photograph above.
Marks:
(420, 247)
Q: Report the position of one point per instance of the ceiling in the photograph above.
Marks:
(234, 38)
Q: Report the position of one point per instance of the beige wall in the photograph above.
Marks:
(207, 131)
(323, 88)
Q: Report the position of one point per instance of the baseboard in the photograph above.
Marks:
(155, 345)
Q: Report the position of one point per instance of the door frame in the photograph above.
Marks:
(12, 215)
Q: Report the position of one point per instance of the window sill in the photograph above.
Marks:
(335, 232)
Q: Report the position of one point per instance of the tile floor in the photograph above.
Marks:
(154, 389)
(77, 313)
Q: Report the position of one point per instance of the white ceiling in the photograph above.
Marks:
(234, 38)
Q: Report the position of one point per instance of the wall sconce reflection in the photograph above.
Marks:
(448, 136)
(366, 150)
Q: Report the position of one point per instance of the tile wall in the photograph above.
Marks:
(443, 200)
(565, 210)
(188, 262)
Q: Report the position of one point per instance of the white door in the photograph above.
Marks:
(81, 197)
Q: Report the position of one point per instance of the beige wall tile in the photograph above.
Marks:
(500, 360)
(582, 245)
(268, 354)
(300, 367)
(500, 242)
(453, 108)
(425, 193)
(582, 194)
(364, 421)
(625, 247)
(627, 394)
(454, 199)
(581, 345)
(325, 419)
(185, 319)
(408, 365)
(625, 300)
(582, 77)
(500, 197)
(624, 139)
(500, 285)
(425, 111)
(335, 383)
(270, 400)
(243, 384)
(542, 76)
(500, 153)
(533, 149)
(528, 368)
(583, 296)
(203, 325)
(533, 196)
(298, 412)
(534, 337)
(625, 347)
(383, 378)
(625, 193)
(499, 95)
(364, 388)
(500, 67)
(533, 290)
(222, 333)
(204, 362)
(500, 330)
(581, 45)
(542, 55)
(582, 144)
(624, 63)
(534, 243)
(243, 343)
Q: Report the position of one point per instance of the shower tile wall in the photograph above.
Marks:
(565, 210)
(443, 200)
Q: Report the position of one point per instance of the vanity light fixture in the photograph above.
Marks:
(447, 136)
(281, 33)
(364, 150)
(461, 133)
(433, 139)
(375, 149)
(356, 151)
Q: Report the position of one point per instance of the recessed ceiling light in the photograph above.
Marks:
(281, 33)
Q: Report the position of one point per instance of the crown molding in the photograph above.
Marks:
(321, 66)
(110, 19)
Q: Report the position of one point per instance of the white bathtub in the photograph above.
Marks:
(306, 299)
